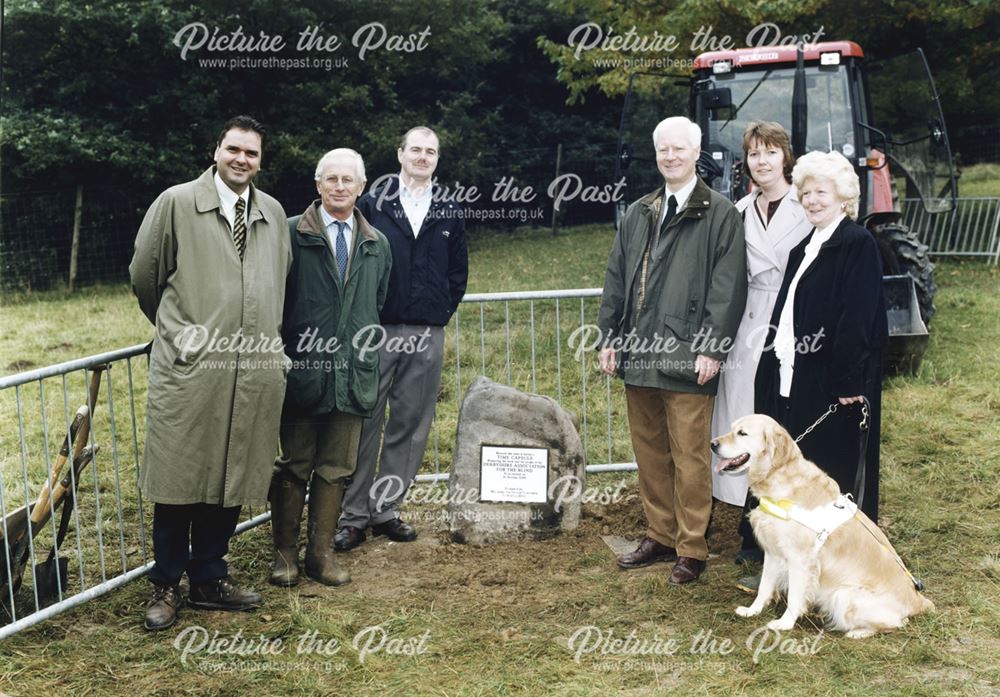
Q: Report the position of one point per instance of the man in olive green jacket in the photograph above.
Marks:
(209, 271)
(674, 293)
(335, 289)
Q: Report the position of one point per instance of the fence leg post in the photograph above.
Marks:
(75, 248)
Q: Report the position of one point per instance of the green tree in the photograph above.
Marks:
(961, 39)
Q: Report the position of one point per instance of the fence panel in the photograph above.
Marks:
(530, 340)
(971, 230)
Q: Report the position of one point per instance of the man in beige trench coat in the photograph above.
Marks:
(209, 272)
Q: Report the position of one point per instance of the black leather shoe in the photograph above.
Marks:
(648, 552)
(161, 610)
(223, 594)
(395, 530)
(348, 537)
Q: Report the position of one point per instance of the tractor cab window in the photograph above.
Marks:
(766, 95)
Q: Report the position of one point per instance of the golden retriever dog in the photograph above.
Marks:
(815, 550)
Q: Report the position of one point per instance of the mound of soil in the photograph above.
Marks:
(433, 563)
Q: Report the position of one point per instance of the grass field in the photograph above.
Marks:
(980, 180)
(508, 619)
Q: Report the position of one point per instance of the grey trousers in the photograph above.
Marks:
(409, 383)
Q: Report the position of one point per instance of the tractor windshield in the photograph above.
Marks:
(766, 95)
(908, 111)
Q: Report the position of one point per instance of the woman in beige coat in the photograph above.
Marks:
(774, 223)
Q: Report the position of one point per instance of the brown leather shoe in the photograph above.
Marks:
(686, 570)
(161, 610)
(648, 552)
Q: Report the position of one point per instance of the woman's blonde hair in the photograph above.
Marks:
(836, 168)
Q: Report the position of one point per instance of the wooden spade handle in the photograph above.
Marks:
(40, 512)
(64, 485)
(82, 420)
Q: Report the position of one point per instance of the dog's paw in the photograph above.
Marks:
(744, 611)
(780, 625)
(860, 633)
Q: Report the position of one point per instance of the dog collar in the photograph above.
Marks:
(823, 521)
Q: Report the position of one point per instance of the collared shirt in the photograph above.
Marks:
(784, 338)
(682, 196)
(331, 230)
(227, 197)
(415, 207)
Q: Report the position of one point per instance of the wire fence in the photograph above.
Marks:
(36, 235)
(976, 144)
(523, 188)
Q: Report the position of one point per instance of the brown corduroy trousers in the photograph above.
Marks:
(670, 437)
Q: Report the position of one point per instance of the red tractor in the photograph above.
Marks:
(828, 97)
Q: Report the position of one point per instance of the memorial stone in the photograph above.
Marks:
(518, 460)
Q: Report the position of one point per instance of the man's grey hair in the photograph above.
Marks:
(359, 163)
(692, 129)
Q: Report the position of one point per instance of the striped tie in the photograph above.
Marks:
(240, 227)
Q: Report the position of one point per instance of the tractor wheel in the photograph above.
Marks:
(904, 253)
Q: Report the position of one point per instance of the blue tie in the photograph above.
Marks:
(341, 249)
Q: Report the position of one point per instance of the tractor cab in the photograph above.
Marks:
(884, 117)
(732, 88)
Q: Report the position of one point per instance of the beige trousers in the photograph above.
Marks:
(670, 437)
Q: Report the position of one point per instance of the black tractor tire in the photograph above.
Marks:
(904, 253)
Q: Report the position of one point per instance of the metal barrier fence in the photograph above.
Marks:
(523, 339)
(971, 230)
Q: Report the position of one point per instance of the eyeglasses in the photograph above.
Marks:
(346, 181)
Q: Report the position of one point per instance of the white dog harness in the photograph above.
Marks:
(823, 521)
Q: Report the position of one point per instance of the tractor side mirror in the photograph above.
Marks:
(718, 102)
(625, 157)
(936, 131)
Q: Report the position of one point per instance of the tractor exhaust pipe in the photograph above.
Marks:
(800, 113)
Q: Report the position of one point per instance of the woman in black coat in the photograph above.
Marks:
(828, 331)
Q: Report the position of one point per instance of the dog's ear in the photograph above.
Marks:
(781, 447)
